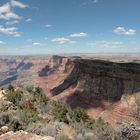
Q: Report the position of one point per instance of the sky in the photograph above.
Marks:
(34, 27)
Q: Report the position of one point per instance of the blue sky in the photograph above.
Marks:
(69, 26)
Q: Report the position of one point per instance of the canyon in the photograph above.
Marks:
(103, 86)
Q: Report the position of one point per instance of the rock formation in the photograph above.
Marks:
(21, 135)
(102, 79)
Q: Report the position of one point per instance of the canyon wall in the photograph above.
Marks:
(102, 79)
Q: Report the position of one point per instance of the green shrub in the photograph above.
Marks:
(4, 119)
(78, 115)
(103, 130)
(43, 129)
(40, 96)
(5, 105)
(59, 112)
(29, 88)
(64, 114)
(10, 88)
(27, 116)
(15, 125)
(14, 96)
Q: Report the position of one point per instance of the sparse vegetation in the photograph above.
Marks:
(33, 112)
(59, 112)
(136, 108)
(128, 131)
(14, 96)
(78, 115)
(27, 116)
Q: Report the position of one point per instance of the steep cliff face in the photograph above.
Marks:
(102, 79)
(54, 73)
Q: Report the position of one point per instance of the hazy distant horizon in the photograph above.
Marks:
(77, 54)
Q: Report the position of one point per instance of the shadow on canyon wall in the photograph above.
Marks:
(8, 80)
(98, 80)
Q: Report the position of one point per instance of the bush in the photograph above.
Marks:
(39, 96)
(27, 116)
(43, 129)
(14, 96)
(10, 88)
(29, 105)
(78, 115)
(100, 130)
(103, 130)
(15, 125)
(4, 119)
(64, 114)
(59, 112)
(29, 88)
(5, 105)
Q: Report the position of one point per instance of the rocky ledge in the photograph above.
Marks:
(22, 135)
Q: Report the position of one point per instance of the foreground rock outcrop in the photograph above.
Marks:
(22, 135)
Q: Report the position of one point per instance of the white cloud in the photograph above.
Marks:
(12, 22)
(6, 13)
(123, 31)
(79, 34)
(10, 15)
(18, 4)
(48, 25)
(10, 31)
(62, 40)
(2, 42)
(6, 10)
(28, 20)
(36, 44)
